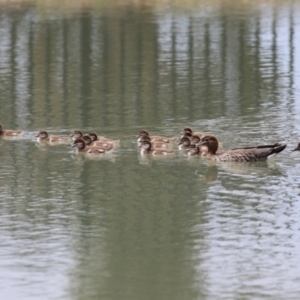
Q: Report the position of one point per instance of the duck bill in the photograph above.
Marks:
(200, 144)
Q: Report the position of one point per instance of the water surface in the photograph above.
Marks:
(123, 227)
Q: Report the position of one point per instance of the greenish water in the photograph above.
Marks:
(123, 227)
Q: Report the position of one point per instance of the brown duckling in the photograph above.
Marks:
(146, 148)
(155, 138)
(189, 131)
(100, 139)
(155, 145)
(43, 136)
(297, 148)
(76, 134)
(9, 132)
(90, 144)
(185, 144)
(245, 154)
(81, 148)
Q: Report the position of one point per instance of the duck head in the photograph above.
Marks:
(42, 134)
(185, 141)
(93, 136)
(210, 142)
(187, 129)
(76, 134)
(87, 139)
(79, 144)
(142, 133)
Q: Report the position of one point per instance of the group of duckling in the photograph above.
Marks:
(205, 145)
(90, 143)
(193, 143)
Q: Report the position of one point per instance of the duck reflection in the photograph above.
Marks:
(136, 234)
(210, 176)
(246, 168)
(80, 159)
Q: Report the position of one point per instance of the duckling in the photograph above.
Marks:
(188, 130)
(90, 144)
(246, 154)
(186, 135)
(10, 133)
(146, 148)
(297, 148)
(185, 144)
(188, 142)
(155, 145)
(155, 138)
(95, 138)
(195, 151)
(43, 136)
(76, 134)
(81, 148)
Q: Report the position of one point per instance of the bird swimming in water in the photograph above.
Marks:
(245, 154)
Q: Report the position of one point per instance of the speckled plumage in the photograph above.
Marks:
(155, 138)
(97, 144)
(155, 145)
(146, 148)
(10, 133)
(81, 148)
(96, 138)
(43, 136)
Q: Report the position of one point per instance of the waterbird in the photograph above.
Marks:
(100, 139)
(90, 144)
(81, 148)
(76, 134)
(9, 132)
(185, 144)
(156, 145)
(244, 154)
(155, 138)
(43, 136)
(190, 132)
(146, 148)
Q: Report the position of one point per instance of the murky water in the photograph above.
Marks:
(123, 227)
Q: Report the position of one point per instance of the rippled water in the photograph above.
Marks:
(124, 227)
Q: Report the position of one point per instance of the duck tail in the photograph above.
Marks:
(278, 148)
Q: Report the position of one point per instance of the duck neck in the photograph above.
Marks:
(213, 147)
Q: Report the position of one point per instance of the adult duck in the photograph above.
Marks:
(245, 154)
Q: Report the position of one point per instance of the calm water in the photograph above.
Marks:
(126, 228)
